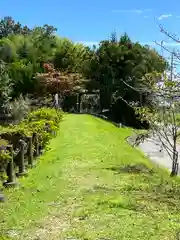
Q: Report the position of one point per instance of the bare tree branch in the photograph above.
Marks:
(175, 54)
(170, 35)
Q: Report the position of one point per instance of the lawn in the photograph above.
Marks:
(91, 185)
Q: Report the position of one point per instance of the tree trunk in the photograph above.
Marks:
(175, 164)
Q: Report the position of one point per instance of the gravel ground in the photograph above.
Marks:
(152, 148)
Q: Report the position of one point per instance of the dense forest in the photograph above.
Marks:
(36, 62)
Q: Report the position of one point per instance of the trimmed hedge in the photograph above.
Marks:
(44, 122)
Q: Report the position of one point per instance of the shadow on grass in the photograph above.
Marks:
(97, 188)
(147, 187)
(135, 169)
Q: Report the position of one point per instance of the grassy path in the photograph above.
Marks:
(84, 189)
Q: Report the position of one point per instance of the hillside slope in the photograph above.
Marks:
(92, 185)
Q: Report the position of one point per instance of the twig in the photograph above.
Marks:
(169, 35)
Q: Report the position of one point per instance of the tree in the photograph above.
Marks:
(63, 83)
(69, 56)
(22, 73)
(8, 27)
(117, 62)
(109, 66)
(5, 88)
(25, 55)
(7, 50)
(44, 42)
(163, 115)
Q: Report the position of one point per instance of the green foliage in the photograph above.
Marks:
(35, 120)
(44, 122)
(109, 66)
(45, 113)
(116, 63)
(146, 114)
(5, 88)
(22, 73)
(44, 41)
(25, 53)
(19, 108)
(8, 27)
(7, 50)
(69, 56)
(45, 129)
(4, 158)
(41, 121)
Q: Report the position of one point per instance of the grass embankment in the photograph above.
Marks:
(83, 188)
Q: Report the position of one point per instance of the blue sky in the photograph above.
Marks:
(90, 21)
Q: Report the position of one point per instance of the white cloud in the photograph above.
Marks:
(163, 16)
(137, 11)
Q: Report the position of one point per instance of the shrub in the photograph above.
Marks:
(45, 130)
(45, 113)
(44, 121)
(19, 109)
(4, 158)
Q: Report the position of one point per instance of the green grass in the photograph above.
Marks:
(92, 185)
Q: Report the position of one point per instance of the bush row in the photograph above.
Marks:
(44, 122)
